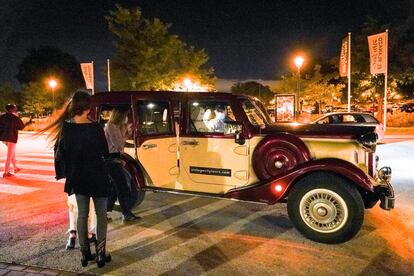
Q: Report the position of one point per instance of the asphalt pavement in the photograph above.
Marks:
(184, 235)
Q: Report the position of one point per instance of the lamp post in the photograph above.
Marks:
(52, 85)
(298, 62)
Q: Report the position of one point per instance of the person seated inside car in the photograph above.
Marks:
(214, 121)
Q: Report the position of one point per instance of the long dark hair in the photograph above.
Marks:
(80, 102)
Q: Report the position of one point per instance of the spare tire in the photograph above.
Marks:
(277, 154)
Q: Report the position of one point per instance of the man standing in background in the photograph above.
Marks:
(10, 124)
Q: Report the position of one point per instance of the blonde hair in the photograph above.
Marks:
(118, 116)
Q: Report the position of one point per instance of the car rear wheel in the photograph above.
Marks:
(326, 208)
(136, 196)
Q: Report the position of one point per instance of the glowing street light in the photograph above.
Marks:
(299, 63)
(188, 83)
(52, 85)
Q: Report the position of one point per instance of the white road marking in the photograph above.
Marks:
(37, 177)
(30, 159)
(34, 167)
(16, 190)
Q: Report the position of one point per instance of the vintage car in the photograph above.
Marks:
(225, 146)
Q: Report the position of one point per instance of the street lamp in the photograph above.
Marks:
(298, 62)
(187, 83)
(52, 85)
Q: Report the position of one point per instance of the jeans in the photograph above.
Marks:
(83, 212)
(73, 215)
(121, 187)
(11, 156)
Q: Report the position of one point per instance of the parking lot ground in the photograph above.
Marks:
(13, 269)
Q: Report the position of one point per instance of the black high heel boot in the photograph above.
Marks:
(87, 256)
(101, 256)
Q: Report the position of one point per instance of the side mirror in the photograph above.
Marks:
(231, 128)
(235, 129)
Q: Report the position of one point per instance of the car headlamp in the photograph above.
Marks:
(384, 173)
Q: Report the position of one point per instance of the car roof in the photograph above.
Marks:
(347, 113)
(122, 96)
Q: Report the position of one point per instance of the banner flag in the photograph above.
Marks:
(87, 71)
(343, 58)
(378, 53)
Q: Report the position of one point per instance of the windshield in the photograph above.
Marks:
(256, 113)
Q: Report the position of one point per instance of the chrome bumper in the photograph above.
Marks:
(384, 189)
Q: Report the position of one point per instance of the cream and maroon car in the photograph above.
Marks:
(225, 146)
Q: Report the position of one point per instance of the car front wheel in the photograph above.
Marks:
(326, 208)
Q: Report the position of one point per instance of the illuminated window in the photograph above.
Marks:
(153, 118)
(209, 116)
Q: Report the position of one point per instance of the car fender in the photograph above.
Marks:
(134, 169)
(277, 189)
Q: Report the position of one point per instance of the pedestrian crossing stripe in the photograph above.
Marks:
(16, 190)
(30, 159)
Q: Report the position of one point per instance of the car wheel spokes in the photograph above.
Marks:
(323, 210)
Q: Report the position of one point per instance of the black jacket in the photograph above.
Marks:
(9, 127)
(79, 156)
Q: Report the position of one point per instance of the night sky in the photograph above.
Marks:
(244, 39)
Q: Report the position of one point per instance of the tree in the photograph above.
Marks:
(36, 99)
(320, 89)
(254, 89)
(45, 62)
(8, 95)
(148, 57)
(321, 86)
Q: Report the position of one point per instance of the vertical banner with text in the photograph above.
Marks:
(378, 56)
(345, 64)
(87, 71)
(378, 53)
(343, 58)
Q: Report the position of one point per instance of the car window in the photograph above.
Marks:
(209, 116)
(153, 118)
(324, 121)
(369, 118)
(348, 119)
(254, 113)
(335, 119)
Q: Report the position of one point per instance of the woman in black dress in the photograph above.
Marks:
(80, 147)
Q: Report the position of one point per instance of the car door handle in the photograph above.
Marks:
(149, 146)
(190, 143)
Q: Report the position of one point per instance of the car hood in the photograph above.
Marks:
(319, 131)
